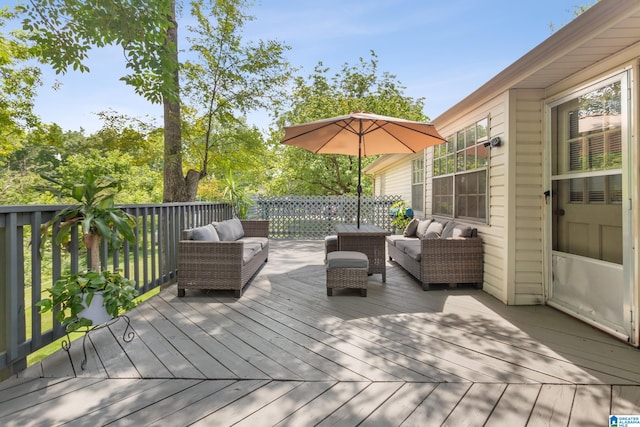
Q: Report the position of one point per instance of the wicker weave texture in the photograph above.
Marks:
(444, 261)
(372, 246)
(218, 265)
(352, 278)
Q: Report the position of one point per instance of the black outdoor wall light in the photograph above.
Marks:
(493, 142)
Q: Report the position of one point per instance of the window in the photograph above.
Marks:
(460, 173)
(587, 134)
(417, 184)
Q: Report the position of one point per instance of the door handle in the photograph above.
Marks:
(559, 212)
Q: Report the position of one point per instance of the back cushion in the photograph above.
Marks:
(412, 227)
(230, 230)
(206, 233)
(435, 230)
(421, 231)
(454, 229)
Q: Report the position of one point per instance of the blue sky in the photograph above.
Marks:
(439, 50)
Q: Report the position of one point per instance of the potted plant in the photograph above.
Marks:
(402, 216)
(97, 218)
(89, 298)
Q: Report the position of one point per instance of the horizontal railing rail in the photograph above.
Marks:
(26, 269)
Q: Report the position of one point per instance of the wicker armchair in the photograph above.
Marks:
(223, 264)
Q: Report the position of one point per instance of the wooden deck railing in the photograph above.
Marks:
(25, 270)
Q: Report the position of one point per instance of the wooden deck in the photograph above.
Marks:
(286, 354)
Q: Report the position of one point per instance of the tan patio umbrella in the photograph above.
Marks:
(362, 134)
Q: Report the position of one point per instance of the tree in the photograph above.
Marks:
(358, 87)
(228, 76)
(18, 83)
(64, 31)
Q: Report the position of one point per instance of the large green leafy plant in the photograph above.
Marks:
(399, 213)
(95, 214)
(97, 218)
(74, 292)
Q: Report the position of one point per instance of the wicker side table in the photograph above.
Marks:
(347, 270)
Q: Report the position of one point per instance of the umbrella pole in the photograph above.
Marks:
(359, 189)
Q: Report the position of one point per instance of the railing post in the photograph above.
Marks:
(4, 317)
(12, 331)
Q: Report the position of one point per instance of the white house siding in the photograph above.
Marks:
(493, 233)
(526, 283)
(395, 180)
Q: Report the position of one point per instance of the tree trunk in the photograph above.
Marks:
(175, 186)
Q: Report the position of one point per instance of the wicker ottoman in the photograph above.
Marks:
(330, 245)
(347, 269)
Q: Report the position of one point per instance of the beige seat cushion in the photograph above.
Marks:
(347, 259)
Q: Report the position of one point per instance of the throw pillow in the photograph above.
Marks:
(412, 227)
(462, 231)
(207, 233)
(230, 230)
(421, 231)
(456, 230)
(434, 231)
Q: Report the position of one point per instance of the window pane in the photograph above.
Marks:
(470, 136)
(471, 158)
(596, 189)
(482, 132)
(483, 155)
(443, 196)
(574, 130)
(450, 163)
(460, 141)
(470, 193)
(575, 156)
(576, 190)
(596, 152)
(614, 153)
(461, 206)
(615, 189)
(460, 164)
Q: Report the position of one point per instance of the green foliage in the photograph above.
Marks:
(236, 196)
(125, 149)
(400, 219)
(228, 75)
(95, 213)
(18, 84)
(73, 292)
(359, 87)
(64, 31)
(225, 78)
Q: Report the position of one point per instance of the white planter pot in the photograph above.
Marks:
(95, 311)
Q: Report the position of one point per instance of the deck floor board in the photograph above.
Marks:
(287, 354)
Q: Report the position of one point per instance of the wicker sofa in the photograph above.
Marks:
(442, 252)
(222, 255)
